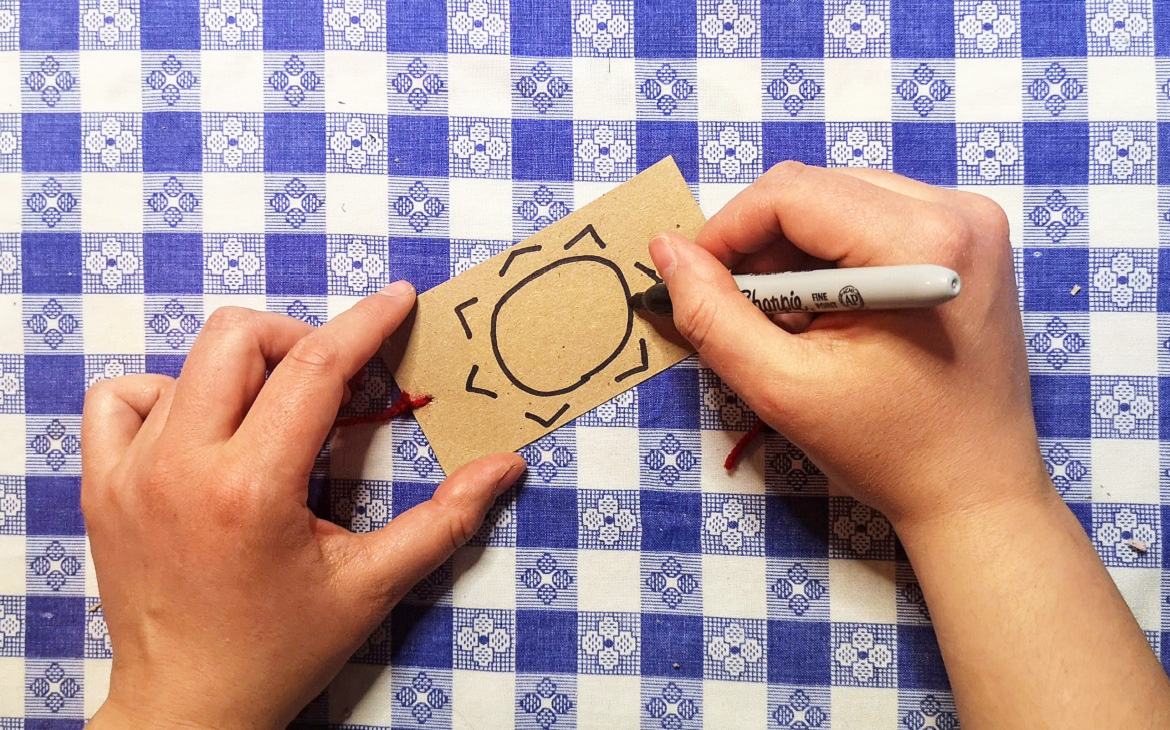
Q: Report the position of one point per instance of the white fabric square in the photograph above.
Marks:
(734, 586)
(481, 209)
(114, 323)
(356, 204)
(482, 699)
(862, 708)
(735, 704)
(233, 202)
(1123, 215)
(10, 81)
(361, 694)
(607, 702)
(604, 88)
(11, 338)
(364, 451)
(481, 86)
(12, 202)
(1122, 89)
(335, 304)
(481, 573)
(713, 196)
(1123, 343)
(863, 591)
(748, 475)
(858, 90)
(12, 549)
(111, 81)
(609, 580)
(355, 82)
(989, 89)
(212, 302)
(1141, 589)
(12, 684)
(233, 81)
(1125, 470)
(96, 683)
(607, 457)
(730, 89)
(111, 201)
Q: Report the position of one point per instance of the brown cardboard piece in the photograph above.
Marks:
(532, 338)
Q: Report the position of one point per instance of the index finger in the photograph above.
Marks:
(822, 213)
(296, 408)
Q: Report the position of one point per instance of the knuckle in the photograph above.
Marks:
(988, 216)
(99, 393)
(784, 172)
(229, 319)
(314, 354)
(461, 527)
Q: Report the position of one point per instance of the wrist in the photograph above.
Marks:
(115, 716)
(156, 714)
(1030, 500)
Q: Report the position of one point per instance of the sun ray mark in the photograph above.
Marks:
(463, 320)
(587, 231)
(471, 387)
(546, 422)
(640, 368)
(648, 271)
(516, 253)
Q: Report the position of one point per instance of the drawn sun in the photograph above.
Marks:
(548, 344)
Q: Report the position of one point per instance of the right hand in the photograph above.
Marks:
(918, 413)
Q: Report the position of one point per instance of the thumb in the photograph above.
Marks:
(739, 342)
(417, 541)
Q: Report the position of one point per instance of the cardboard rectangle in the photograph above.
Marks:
(534, 337)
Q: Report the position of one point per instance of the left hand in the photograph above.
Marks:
(229, 604)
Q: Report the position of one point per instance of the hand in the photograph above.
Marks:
(229, 604)
(900, 409)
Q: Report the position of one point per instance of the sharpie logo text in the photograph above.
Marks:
(769, 305)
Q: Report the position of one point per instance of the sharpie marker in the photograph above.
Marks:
(832, 290)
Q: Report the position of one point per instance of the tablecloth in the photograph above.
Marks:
(162, 158)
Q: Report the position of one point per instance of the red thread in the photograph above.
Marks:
(404, 404)
(736, 453)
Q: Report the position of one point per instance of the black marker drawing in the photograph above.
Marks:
(463, 320)
(551, 361)
(587, 231)
(518, 252)
(648, 271)
(546, 422)
(643, 367)
(471, 388)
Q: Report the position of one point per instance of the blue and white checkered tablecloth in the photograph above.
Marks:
(161, 158)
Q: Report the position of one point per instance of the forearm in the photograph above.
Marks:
(1033, 631)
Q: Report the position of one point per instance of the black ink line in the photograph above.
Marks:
(549, 421)
(648, 271)
(588, 230)
(470, 386)
(463, 320)
(629, 328)
(639, 369)
(518, 252)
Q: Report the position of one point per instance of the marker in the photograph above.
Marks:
(832, 290)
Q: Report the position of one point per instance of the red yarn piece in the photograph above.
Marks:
(405, 403)
(736, 452)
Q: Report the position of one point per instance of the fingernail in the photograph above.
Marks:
(662, 252)
(509, 478)
(397, 289)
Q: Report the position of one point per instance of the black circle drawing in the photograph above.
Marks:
(572, 380)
